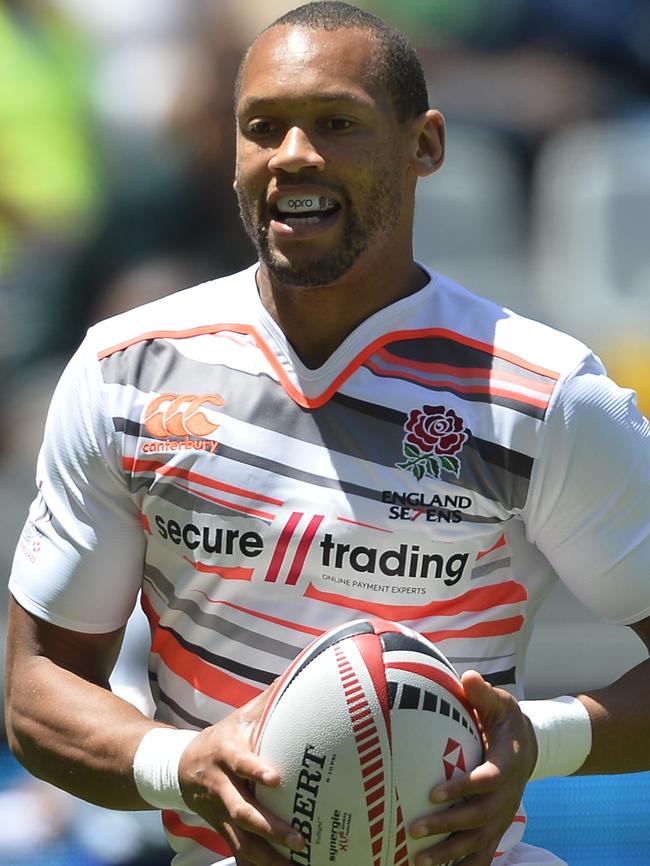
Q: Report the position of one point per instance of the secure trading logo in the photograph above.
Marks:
(181, 415)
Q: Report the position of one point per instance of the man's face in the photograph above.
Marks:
(321, 156)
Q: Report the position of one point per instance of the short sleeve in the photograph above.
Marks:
(589, 504)
(79, 559)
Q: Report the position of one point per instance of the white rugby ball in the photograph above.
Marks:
(362, 725)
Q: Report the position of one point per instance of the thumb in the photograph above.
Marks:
(481, 695)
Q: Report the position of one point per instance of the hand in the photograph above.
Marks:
(216, 774)
(492, 791)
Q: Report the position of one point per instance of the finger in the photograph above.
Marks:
(455, 847)
(484, 779)
(485, 699)
(466, 815)
(248, 765)
(249, 815)
(250, 850)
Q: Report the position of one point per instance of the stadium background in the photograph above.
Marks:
(116, 151)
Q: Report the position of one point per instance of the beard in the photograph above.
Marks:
(382, 213)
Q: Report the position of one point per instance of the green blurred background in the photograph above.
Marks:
(116, 165)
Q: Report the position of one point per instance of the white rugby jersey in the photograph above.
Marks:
(440, 469)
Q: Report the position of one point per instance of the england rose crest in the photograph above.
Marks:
(434, 437)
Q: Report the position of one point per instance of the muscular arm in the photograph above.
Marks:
(63, 722)
(67, 727)
(620, 719)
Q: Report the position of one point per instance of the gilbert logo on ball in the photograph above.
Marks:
(363, 723)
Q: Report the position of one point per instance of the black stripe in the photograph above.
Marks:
(445, 350)
(502, 678)
(350, 630)
(521, 406)
(506, 458)
(179, 711)
(409, 698)
(255, 674)
(397, 641)
(215, 624)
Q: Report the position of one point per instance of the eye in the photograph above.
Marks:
(338, 124)
(259, 127)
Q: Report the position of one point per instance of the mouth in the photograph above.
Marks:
(303, 214)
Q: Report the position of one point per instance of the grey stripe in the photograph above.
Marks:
(179, 711)
(432, 376)
(345, 426)
(217, 624)
(191, 502)
(489, 567)
(168, 490)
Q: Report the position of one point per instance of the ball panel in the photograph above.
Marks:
(367, 721)
(400, 642)
(335, 787)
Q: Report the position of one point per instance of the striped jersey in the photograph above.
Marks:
(447, 463)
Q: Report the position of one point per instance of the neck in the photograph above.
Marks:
(316, 319)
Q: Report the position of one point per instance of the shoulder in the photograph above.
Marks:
(186, 313)
(510, 336)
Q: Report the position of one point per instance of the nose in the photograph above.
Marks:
(296, 152)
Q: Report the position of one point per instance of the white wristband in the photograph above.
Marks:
(155, 766)
(563, 730)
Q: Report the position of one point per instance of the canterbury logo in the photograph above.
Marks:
(181, 415)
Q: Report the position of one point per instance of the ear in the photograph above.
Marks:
(428, 143)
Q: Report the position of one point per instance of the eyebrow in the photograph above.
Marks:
(255, 103)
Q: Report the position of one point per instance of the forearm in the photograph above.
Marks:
(620, 721)
(75, 734)
(63, 723)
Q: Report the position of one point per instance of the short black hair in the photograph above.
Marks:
(396, 66)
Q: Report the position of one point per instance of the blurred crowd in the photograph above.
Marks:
(116, 167)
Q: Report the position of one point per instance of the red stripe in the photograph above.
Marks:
(366, 352)
(370, 756)
(130, 464)
(303, 549)
(373, 768)
(207, 481)
(281, 546)
(234, 506)
(488, 373)
(199, 674)
(500, 543)
(377, 779)
(490, 390)
(292, 626)
(376, 846)
(366, 525)
(479, 599)
(206, 837)
(375, 795)
(363, 747)
(375, 811)
(227, 572)
(377, 827)
(491, 628)
(371, 652)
